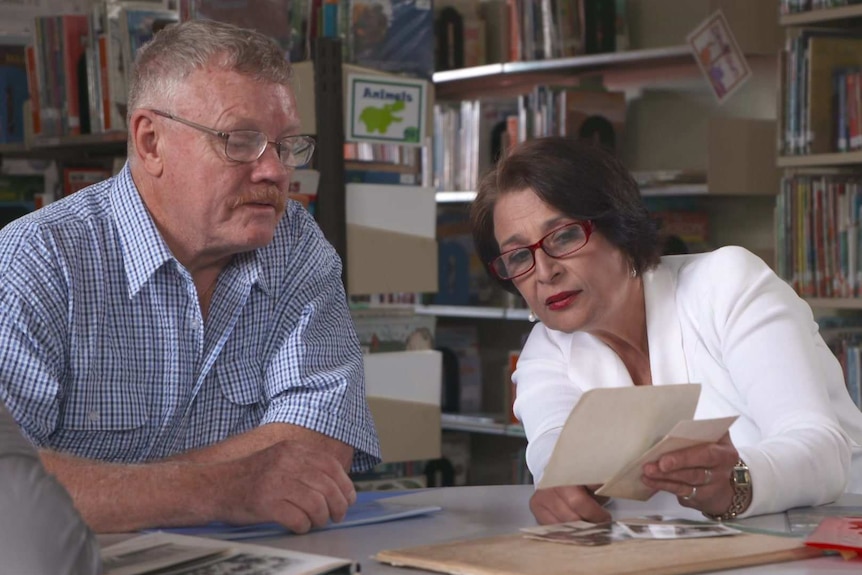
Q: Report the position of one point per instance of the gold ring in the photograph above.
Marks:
(691, 495)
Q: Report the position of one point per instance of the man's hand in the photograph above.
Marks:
(275, 473)
(699, 476)
(568, 503)
(289, 483)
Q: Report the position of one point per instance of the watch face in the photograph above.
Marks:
(740, 476)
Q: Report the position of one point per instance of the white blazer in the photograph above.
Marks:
(725, 320)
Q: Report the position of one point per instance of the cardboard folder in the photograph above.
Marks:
(517, 555)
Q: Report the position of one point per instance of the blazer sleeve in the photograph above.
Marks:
(767, 340)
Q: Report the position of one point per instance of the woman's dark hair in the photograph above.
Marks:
(578, 179)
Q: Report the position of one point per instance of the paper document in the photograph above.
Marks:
(370, 507)
(171, 554)
(612, 432)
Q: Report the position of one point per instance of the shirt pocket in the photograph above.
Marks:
(241, 381)
(109, 423)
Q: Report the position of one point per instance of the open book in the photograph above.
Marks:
(612, 432)
(170, 554)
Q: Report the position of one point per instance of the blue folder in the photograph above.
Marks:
(370, 507)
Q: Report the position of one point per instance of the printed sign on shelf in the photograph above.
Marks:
(386, 109)
(718, 56)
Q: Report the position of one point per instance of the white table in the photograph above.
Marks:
(473, 512)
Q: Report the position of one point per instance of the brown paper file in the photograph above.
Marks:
(611, 427)
(516, 555)
(627, 483)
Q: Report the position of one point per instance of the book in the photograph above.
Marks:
(75, 179)
(517, 554)
(13, 92)
(393, 36)
(647, 422)
(842, 534)
(165, 553)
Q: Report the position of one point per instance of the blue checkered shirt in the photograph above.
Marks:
(104, 353)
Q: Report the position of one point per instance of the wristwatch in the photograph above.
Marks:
(740, 480)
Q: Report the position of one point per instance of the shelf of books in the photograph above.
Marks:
(837, 14)
(105, 143)
(834, 303)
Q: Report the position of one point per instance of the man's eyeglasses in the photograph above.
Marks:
(249, 145)
(559, 243)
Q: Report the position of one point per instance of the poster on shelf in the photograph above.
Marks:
(386, 109)
(718, 56)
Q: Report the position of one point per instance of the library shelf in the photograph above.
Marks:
(454, 84)
(834, 303)
(455, 197)
(477, 312)
(826, 16)
(821, 160)
(479, 424)
(106, 143)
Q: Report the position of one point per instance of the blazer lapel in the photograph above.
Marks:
(666, 354)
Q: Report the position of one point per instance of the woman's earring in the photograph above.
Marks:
(532, 317)
(634, 272)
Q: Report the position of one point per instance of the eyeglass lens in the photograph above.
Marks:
(557, 244)
(248, 146)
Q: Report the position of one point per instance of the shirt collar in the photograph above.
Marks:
(145, 251)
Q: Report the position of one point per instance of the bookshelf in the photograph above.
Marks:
(817, 220)
(836, 16)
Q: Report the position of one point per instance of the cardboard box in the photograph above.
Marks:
(403, 390)
(408, 210)
(388, 262)
(661, 23)
(408, 430)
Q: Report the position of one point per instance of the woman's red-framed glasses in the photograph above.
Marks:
(558, 243)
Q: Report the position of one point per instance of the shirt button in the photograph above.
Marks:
(93, 416)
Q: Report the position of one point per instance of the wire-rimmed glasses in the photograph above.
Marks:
(249, 145)
(558, 243)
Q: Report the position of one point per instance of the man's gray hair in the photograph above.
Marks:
(178, 50)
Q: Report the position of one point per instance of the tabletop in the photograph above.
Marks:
(483, 511)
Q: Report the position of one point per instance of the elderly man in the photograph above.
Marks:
(176, 339)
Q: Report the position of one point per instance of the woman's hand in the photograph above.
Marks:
(568, 503)
(699, 476)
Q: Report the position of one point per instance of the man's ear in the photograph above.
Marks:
(146, 139)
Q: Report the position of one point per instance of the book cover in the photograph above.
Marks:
(13, 93)
(74, 31)
(393, 36)
(75, 179)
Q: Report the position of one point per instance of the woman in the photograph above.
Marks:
(562, 224)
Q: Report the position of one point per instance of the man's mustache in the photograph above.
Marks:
(271, 196)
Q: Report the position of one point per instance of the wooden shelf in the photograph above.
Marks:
(479, 424)
(827, 16)
(476, 312)
(107, 143)
(458, 84)
(834, 303)
(821, 160)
